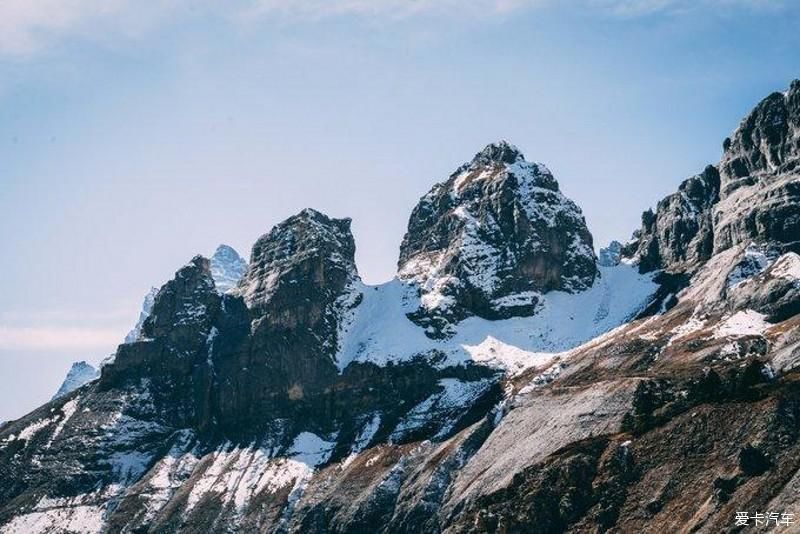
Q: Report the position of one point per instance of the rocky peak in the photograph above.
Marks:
(299, 268)
(184, 302)
(227, 268)
(79, 374)
(760, 189)
(492, 238)
(767, 141)
(501, 152)
(679, 236)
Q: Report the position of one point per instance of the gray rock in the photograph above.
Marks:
(491, 238)
(678, 236)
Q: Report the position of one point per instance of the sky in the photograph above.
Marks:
(134, 135)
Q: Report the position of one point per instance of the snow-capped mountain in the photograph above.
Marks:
(492, 239)
(79, 374)
(505, 381)
(227, 268)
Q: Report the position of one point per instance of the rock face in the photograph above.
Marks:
(299, 270)
(753, 195)
(679, 235)
(492, 238)
(759, 176)
(79, 374)
(227, 268)
(766, 143)
(303, 400)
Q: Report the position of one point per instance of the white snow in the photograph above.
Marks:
(31, 430)
(379, 331)
(67, 410)
(227, 268)
(787, 267)
(310, 449)
(742, 323)
(239, 474)
(74, 519)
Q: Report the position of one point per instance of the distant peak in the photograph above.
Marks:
(224, 250)
(499, 152)
(227, 268)
(315, 217)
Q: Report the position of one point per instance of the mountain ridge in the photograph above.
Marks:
(304, 400)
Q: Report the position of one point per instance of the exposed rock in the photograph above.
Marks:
(679, 235)
(492, 238)
(298, 271)
(766, 143)
(760, 169)
(774, 291)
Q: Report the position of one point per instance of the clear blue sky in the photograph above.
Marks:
(133, 137)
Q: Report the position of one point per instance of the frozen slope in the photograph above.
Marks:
(378, 330)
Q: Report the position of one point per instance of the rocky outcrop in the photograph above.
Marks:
(492, 238)
(766, 143)
(299, 270)
(760, 176)
(753, 195)
(679, 235)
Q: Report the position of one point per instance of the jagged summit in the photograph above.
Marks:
(227, 268)
(497, 153)
(752, 196)
(308, 257)
(79, 374)
(766, 142)
(493, 238)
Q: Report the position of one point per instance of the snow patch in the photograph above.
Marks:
(380, 332)
(742, 323)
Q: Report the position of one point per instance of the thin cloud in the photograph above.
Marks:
(58, 338)
(28, 26)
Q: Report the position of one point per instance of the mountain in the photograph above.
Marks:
(79, 374)
(147, 307)
(227, 268)
(505, 381)
(492, 239)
